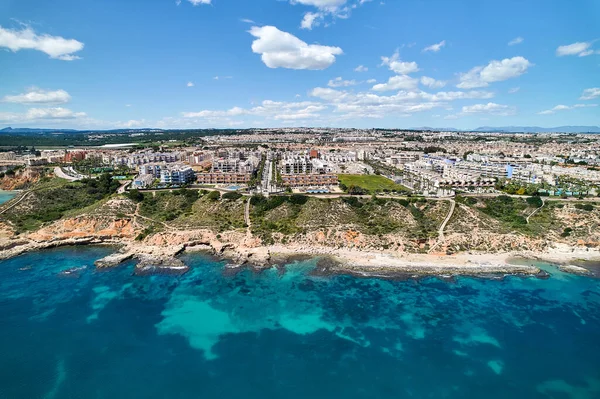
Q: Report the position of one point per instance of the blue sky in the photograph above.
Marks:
(262, 63)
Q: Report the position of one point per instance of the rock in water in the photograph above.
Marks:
(159, 265)
(113, 260)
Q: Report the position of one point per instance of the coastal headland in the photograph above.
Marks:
(382, 237)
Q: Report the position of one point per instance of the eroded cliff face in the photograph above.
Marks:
(117, 221)
(87, 227)
(23, 178)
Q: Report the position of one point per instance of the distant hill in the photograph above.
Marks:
(506, 129)
(10, 130)
(28, 130)
(537, 129)
(436, 129)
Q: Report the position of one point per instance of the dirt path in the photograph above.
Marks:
(441, 237)
(247, 218)
(536, 211)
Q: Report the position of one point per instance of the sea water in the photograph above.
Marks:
(6, 196)
(286, 333)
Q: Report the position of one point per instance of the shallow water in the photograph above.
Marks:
(109, 334)
(6, 196)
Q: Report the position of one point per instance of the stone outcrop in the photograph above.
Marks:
(86, 227)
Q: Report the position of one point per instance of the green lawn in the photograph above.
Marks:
(371, 183)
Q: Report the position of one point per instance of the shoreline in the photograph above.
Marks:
(361, 263)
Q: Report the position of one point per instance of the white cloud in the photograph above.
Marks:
(435, 47)
(400, 67)
(38, 114)
(248, 21)
(26, 39)
(190, 84)
(199, 2)
(361, 68)
(581, 49)
(273, 110)
(280, 49)
(133, 123)
(489, 108)
(311, 19)
(327, 9)
(399, 82)
(339, 82)
(404, 102)
(590, 94)
(513, 90)
(222, 77)
(565, 108)
(516, 40)
(495, 71)
(39, 96)
(432, 83)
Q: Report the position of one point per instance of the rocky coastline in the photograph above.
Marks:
(160, 257)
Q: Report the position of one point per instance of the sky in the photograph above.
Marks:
(112, 64)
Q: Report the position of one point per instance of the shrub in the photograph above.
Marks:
(585, 207)
(535, 202)
(233, 195)
(352, 201)
(135, 195)
(356, 190)
(298, 199)
(566, 232)
(213, 195)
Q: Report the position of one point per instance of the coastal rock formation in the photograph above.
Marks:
(86, 227)
(159, 265)
(23, 178)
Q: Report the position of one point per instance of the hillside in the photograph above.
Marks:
(56, 210)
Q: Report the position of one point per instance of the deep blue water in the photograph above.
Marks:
(286, 334)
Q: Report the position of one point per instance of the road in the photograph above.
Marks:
(124, 184)
(60, 173)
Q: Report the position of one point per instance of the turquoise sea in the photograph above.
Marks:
(6, 195)
(285, 333)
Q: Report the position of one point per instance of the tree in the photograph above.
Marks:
(232, 195)
(356, 190)
(535, 201)
(213, 196)
(135, 195)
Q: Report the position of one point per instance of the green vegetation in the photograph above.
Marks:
(135, 195)
(283, 216)
(506, 209)
(213, 196)
(535, 202)
(566, 232)
(167, 206)
(516, 187)
(369, 184)
(585, 207)
(232, 196)
(51, 199)
(218, 215)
